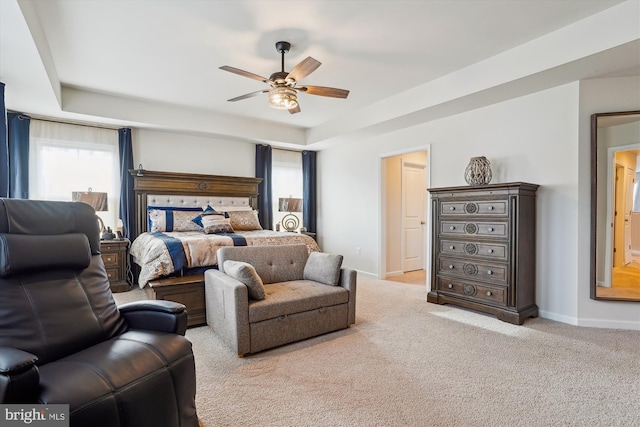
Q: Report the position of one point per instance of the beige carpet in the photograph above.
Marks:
(407, 362)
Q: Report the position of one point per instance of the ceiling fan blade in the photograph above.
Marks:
(324, 91)
(248, 95)
(295, 110)
(304, 68)
(244, 73)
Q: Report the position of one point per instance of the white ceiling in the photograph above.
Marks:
(155, 63)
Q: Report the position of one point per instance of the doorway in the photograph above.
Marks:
(404, 251)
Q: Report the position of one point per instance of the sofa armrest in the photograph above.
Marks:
(227, 310)
(19, 377)
(156, 315)
(348, 278)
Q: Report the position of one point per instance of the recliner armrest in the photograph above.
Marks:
(156, 315)
(19, 376)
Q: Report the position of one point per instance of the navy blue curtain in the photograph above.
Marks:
(309, 190)
(127, 196)
(263, 170)
(4, 147)
(18, 142)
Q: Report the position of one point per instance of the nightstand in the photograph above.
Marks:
(114, 256)
(310, 234)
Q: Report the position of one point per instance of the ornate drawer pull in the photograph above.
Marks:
(489, 293)
(452, 228)
(489, 272)
(490, 208)
(453, 208)
(490, 228)
(451, 267)
(451, 247)
(490, 251)
(450, 286)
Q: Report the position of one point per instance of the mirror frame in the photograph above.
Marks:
(594, 201)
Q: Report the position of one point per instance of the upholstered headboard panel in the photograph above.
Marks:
(219, 203)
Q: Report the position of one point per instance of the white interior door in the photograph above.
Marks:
(618, 217)
(630, 178)
(413, 215)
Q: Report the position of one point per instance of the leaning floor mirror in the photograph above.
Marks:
(615, 206)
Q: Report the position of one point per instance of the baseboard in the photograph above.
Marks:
(591, 323)
(610, 324)
(558, 317)
(394, 273)
(367, 275)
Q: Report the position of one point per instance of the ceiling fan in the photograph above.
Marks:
(283, 94)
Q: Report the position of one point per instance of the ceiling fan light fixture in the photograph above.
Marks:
(283, 98)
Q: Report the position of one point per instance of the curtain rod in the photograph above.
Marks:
(293, 151)
(70, 122)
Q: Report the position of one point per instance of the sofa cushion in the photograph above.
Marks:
(245, 273)
(273, 265)
(323, 268)
(296, 296)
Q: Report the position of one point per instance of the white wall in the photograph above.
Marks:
(532, 139)
(543, 138)
(600, 96)
(172, 152)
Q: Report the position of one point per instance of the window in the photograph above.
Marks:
(286, 171)
(64, 158)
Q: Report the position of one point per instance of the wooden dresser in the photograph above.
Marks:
(484, 246)
(114, 256)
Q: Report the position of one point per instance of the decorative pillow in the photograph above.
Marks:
(245, 273)
(170, 208)
(198, 219)
(216, 223)
(171, 220)
(244, 220)
(323, 268)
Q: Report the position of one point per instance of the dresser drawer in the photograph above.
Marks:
(485, 207)
(113, 273)
(110, 258)
(496, 251)
(473, 270)
(496, 295)
(485, 229)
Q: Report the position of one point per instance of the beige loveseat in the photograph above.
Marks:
(304, 295)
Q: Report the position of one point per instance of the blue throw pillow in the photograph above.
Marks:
(198, 219)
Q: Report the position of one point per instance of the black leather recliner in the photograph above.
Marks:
(64, 340)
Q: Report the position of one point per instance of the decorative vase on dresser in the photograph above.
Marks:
(484, 249)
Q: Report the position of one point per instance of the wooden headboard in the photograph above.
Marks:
(147, 183)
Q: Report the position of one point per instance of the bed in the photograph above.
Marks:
(171, 249)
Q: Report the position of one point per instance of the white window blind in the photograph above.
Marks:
(64, 158)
